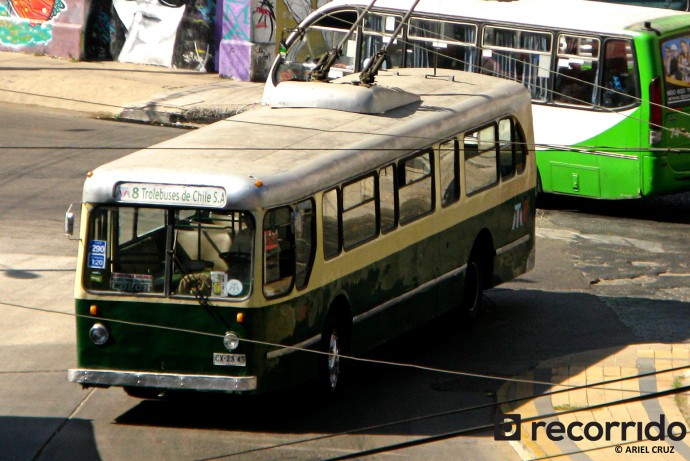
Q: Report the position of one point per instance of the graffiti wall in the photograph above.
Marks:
(250, 30)
(236, 38)
(51, 27)
(170, 33)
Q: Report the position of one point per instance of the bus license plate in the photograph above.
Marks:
(226, 360)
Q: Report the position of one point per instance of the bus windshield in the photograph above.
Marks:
(169, 252)
(303, 55)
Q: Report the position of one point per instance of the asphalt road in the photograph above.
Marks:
(596, 279)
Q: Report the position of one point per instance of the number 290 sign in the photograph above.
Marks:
(96, 257)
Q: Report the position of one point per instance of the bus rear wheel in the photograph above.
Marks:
(472, 291)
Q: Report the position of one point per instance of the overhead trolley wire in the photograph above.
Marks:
(641, 395)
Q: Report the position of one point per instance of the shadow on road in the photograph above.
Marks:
(25, 438)
(517, 330)
(671, 208)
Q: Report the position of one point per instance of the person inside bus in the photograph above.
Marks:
(618, 87)
(684, 61)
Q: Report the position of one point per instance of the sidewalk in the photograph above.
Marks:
(130, 91)
(589, 409)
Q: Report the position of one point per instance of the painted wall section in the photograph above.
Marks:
(251, 32)
(169, 33)
(52, 27)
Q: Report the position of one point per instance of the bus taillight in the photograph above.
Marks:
(655, 111)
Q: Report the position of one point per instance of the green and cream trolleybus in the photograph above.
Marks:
(257, 252)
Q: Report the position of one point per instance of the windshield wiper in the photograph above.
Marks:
(323, 66)
(195, 286)
(370, 71)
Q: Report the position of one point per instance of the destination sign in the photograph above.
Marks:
(171, 194)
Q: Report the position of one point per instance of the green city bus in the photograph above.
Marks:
(680, 5)
(253, 254)
(611, 96)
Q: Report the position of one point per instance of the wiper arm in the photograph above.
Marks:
(323, 66)
(195, 288)
(369, 73)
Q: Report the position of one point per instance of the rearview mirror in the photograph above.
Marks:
(69, 222)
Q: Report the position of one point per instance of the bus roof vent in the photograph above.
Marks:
(362, 99)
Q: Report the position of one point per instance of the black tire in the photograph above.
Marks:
(473, 290)
(147, 393)
(334, 343)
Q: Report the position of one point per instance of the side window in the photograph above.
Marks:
(416, 187)
(387, 198)
(378, 32)
(576, 73)
(520, 148)
(331, 227)
(279, 254)
(480, 159)
(305, 241)
(447, 45)
(619, 85)
(359, 212)
(520, 55)
(450, 172)
(506, 151)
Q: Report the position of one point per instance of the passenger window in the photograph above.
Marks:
(305, 241)
(506, 150)
(279, 254)
(331, 227)
(520, 148)
(447, 45)
(520, 55)
(359, 212)
(416, 187)
(619, 86)
(480, 159)
(576, 74)
(387, 198)
(378, 32)
(450, 174)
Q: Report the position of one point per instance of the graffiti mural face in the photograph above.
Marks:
(151, 30)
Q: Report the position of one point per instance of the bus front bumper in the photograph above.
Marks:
(107, 378)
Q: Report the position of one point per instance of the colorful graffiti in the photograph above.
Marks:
(37, 11)
(236, 25)
(28, 22)
(169, 33)
(266, 18)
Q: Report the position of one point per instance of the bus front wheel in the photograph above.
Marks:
(334, 343)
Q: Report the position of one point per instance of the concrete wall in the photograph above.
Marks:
(251, 30)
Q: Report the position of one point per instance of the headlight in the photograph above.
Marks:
(99, 334)
(231, 341)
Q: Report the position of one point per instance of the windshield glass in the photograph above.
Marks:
(319, 38)
(169, 252)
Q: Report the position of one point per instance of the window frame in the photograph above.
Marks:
(401, 176)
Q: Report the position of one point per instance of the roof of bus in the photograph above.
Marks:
(296, 151)
(597, 17)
